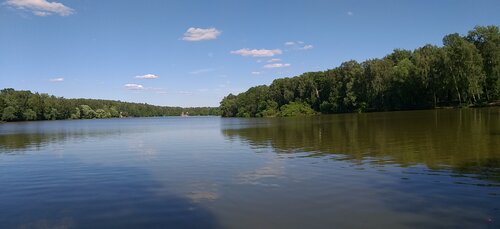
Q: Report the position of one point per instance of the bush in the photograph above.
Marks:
(296, 109)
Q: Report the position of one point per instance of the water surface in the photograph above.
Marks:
(410, 169)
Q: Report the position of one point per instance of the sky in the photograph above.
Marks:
(193, 53)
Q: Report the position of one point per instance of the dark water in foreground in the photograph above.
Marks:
(417, 169)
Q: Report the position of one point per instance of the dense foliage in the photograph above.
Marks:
(464, 71)
(25, 105)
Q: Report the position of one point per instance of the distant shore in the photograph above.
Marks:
(17, 105)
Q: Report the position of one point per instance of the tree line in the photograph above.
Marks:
(27, 106)
(464, 71)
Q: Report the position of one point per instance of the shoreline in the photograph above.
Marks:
(493, 104)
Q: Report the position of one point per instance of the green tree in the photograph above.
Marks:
(463, 64)
(77, 114)
(352, 86)
(29, 115)
(378, 72)
(269, 109)
(402, 85)
(47, 107)
(487, 41)
(114, 112)
(296, 109)
(35, 103)
(398, 55)
(9, 114)
(282, 91)
(101, 113)
(51, 114)
(87, 112)
(428, 62)
(228, 106)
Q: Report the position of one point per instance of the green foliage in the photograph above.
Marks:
(114, 113)
(465, 71)
(51, 114)
(87, 112)
(428, 75)
(25, 105)
(100, 113)
(255, 102)
(77, 114)
(296, 109)
(270, 109)
(487, 41)
(9, 114)
(464, 64)
(29, 115)
(228, 106)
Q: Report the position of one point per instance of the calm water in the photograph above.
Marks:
(415, 169)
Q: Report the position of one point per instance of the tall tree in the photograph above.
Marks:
(487, 41)
(428, 62)
(464, 65)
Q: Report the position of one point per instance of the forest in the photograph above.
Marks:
(27, 106)
(464, 71)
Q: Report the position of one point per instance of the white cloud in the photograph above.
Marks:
(306, 47)
(276, 65)
(41, 7)
(133, 86)
(257, 52)
(350, 13)
(256, 73)
(199, 34)
(298, 45)
(40, 13)
(147, 76)
(273, 60)
(55, 80)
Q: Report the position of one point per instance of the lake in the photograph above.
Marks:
(409, 169)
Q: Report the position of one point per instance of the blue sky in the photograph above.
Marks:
(193, 53)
